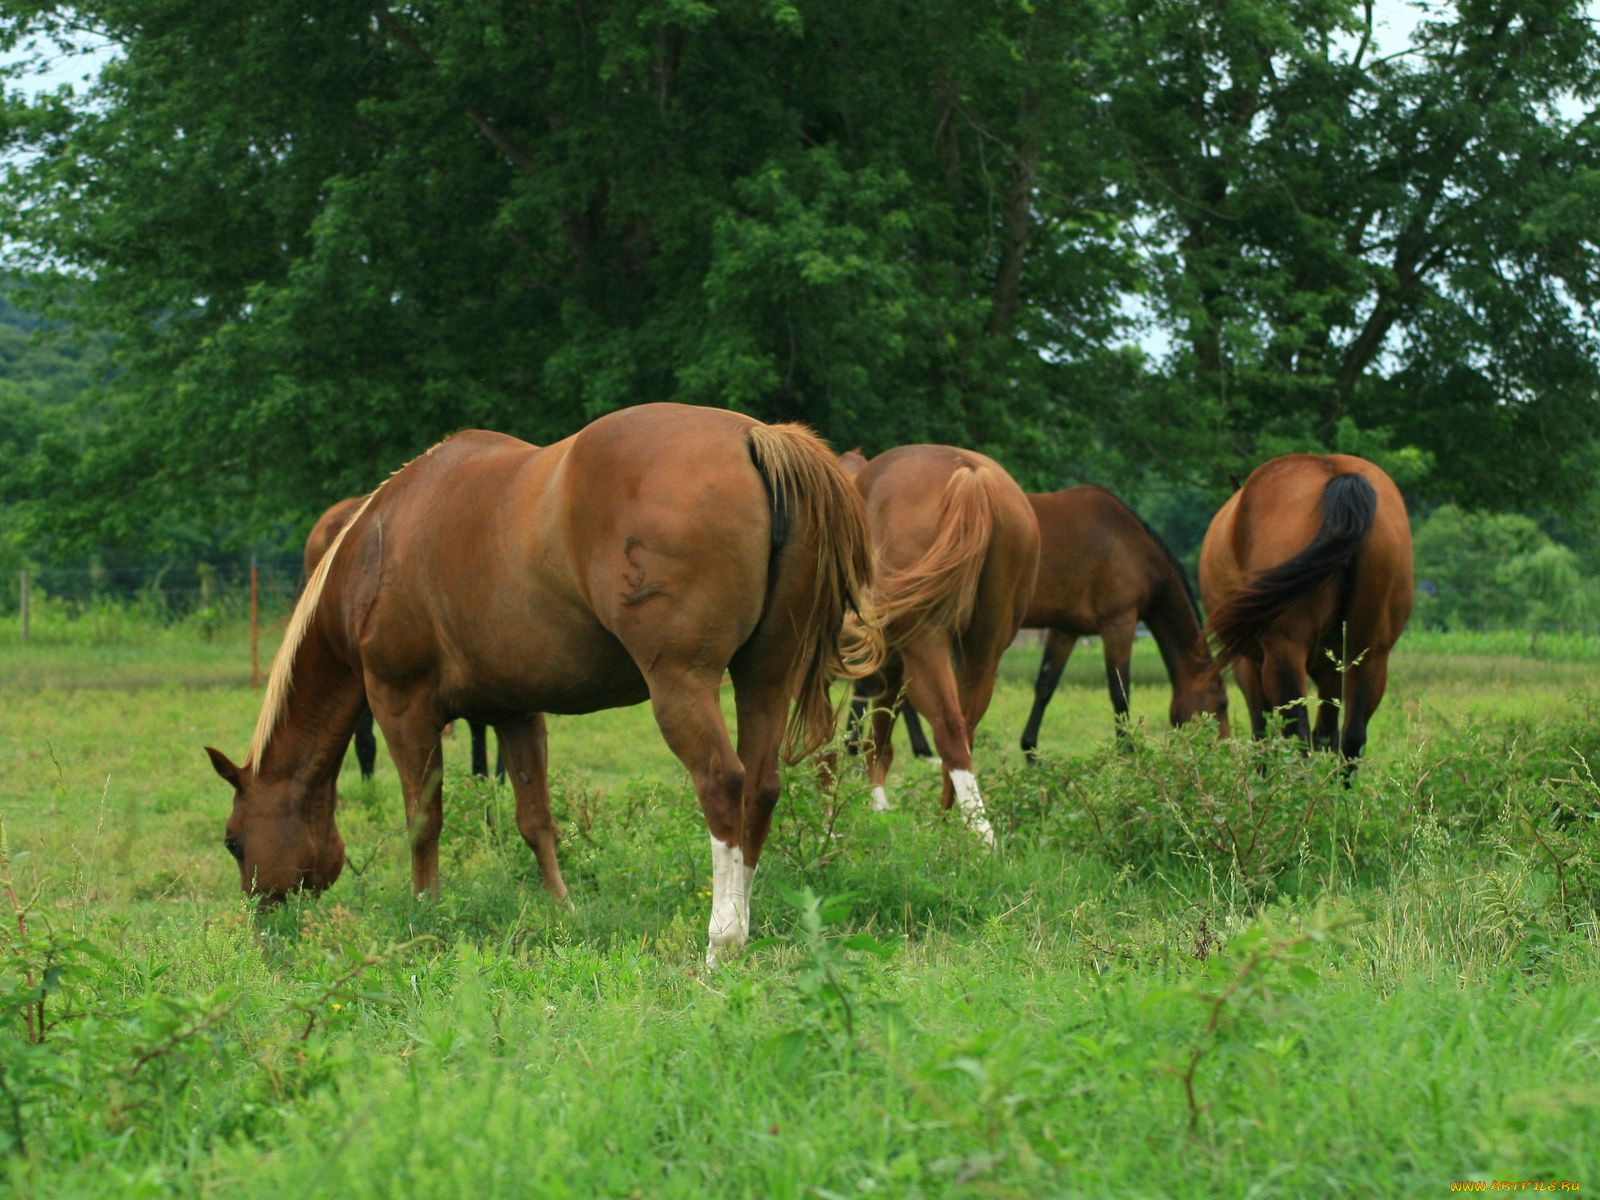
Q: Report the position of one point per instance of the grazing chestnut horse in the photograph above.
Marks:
(643, 557)
(317, 542)
(956, 548)
(1307, 567)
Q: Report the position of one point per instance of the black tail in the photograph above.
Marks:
(1349, 506)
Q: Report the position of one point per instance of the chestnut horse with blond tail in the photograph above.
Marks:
(642, 558)
(956, 548)
(1307, 570)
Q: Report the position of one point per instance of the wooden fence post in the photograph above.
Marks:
(24, 603)
(255, 629)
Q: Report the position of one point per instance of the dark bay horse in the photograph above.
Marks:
(1307, 570)
(956, 548)
(641, 558)
(1102, 570)
(322, 534)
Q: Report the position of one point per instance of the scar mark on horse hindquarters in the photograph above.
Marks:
(641, 591)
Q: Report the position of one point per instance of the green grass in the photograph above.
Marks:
(1191, 968)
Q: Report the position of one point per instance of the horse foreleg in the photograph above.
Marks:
(1255, 696)
(1364, 686)
(411, 727)
(852, 723)
(366, 744)
(931, 684)
(914, 734)
(879, 749)
(1330, 703)
(1057, 650)
(524, 750)
(1116, 638)
(1283, 676)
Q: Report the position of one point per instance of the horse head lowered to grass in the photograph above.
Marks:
(641, 558)
(1306, 569)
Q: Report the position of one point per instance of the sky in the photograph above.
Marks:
(1393, 21)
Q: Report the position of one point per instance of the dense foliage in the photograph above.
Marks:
(1146, 243)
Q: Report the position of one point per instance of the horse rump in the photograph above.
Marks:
(1349, 507)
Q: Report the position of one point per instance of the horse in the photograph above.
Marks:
(641, 558)
(322, 534)
(956, 548)
(1102, 570)
(1306, 569)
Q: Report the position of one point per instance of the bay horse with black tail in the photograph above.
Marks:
(956, 548)
(1307, 570)
(640, 558)
(318, 540)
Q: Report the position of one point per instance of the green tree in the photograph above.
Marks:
(1499, 571)
(1402, 240)
(325, 236)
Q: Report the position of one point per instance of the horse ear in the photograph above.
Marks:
(223, 767)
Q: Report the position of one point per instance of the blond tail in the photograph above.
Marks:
(937, 592)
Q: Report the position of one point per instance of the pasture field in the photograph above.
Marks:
(1191, 968)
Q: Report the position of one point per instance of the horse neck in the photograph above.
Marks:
(1173, 622)
(324, 701)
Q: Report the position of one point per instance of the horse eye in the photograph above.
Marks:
(234, 846)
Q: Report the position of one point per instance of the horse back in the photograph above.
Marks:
(520, 578)
(1097, 560)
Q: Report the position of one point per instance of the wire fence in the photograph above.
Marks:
(165, 591)
(91, 602)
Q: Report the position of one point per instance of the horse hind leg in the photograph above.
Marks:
(689, 715)
(1283, 677)
(524, 749)
(1057, 650)
(931, 684)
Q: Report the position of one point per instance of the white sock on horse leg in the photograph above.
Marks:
(730, 899)
(970, 801)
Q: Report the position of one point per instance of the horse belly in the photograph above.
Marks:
(554, 666)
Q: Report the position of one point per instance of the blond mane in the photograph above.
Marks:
(280, 681)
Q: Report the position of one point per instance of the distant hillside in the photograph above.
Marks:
(42, 362)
